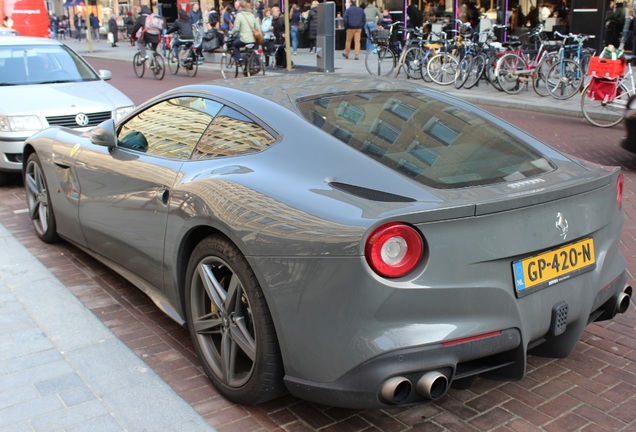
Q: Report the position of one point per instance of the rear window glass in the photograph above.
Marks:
(428, 140)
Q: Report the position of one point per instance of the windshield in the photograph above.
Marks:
(39, 64)
(435, 143)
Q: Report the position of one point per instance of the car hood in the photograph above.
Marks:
(59, 99)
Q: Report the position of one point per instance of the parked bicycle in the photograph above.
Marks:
(565, 77)
(415, 53)
(383, 58)
(604, 100)
(442, 67)
(522, 67)
(154, 61)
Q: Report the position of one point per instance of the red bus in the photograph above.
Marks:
(30, 17)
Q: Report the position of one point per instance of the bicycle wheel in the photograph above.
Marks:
(252, 64)
(380, 61)
(139, 66)
(463, 70)
(261, 58)
(442, 68)
(173, 62)
(490, 72)
(603, 113)
(227, 65)
(541, 74)
(476, 71)
(413, 62)
(424, 67)
(191, 64)
(507, 75)
(585, 62)
(564, 79)
(158, 66)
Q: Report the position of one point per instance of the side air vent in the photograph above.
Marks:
(370, 194)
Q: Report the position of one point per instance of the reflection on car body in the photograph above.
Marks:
(357, 243)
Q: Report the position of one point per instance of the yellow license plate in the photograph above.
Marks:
(554, 266)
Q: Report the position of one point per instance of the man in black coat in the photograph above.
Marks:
(312, 24)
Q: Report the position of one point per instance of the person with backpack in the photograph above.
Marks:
(244, 24)
(145, 35)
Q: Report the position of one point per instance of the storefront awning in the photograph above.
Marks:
(73, 3)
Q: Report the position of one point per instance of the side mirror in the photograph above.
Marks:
(104, 134)
(105, 74)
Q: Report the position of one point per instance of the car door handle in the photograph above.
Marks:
(163, 195)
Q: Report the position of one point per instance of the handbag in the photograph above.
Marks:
(258, 36)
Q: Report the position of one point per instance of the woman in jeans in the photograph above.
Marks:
(294, 19)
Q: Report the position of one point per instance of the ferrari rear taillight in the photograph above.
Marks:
(620, 183)
(394, 249)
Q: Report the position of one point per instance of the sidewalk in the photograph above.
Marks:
(305, 62)
(66, 370)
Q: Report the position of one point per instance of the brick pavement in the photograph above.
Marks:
(593, 389)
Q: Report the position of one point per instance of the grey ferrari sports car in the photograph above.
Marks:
(358, 243)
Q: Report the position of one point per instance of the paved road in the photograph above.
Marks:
(593, 389)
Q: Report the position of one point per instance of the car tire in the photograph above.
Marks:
(39, 201)
(231, 325)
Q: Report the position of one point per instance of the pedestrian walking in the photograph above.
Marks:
(80, 25)
(354, 22)
(113, 29)
(54, 25)
(94, 22)
(312, 24)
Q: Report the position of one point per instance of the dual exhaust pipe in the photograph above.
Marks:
(623, 300)
(431, 385)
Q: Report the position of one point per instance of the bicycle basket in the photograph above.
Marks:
(380, 36)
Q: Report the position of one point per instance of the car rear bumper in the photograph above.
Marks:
(405, 377)
(370, 385)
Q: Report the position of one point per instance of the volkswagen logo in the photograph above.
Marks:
(562, 225)
(81, 119)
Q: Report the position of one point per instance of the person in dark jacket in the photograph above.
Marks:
(195, 14)
(278, 25)
(130, 24)
(354, 22)
(183, 27)
(94, 22)
(312, 25)
(114, 29)
(415, 15)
